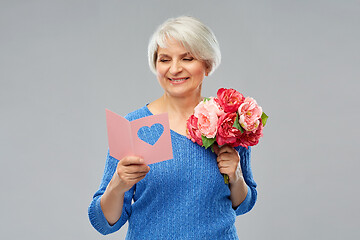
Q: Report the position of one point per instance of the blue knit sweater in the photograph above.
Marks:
(181, 198)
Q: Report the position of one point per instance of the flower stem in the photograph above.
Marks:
(226, 178)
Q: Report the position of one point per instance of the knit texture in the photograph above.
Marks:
(181, 198)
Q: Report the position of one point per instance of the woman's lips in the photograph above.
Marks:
(178, 80)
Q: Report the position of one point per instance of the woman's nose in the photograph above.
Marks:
(175, 68)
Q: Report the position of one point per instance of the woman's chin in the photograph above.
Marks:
(182, 92)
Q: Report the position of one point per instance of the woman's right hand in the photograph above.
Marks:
(129, 171)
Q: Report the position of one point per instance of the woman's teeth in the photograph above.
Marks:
(178, 80)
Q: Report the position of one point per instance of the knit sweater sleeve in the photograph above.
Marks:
(95, 212)
(251, 196)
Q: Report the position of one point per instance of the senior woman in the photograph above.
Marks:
(184, 197)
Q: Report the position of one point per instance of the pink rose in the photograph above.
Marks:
(230, 99)
(251, 138)
(207, 113)
(249, 114)
(192, 130)
(227, 134)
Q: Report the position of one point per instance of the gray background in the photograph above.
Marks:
(63, 62)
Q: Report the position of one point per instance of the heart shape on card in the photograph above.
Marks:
(151, 134)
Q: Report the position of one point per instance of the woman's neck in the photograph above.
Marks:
(178, 109)
(181, 107)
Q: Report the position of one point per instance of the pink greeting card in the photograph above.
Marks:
(148, 137)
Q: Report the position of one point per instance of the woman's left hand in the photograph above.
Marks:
(228, 162)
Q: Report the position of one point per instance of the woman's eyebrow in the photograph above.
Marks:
(163, 55)
(181, 55)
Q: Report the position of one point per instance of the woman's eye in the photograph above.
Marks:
(163, 60)
(188, 59)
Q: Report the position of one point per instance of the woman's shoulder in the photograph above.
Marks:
(138, 113)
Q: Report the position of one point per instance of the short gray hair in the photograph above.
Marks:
(197, 38)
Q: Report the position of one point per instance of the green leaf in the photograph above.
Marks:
(207, 99)
(207, 142)
(264, 118)
(237, 124)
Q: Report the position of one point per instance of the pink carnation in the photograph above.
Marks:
(227, 134)
(207, 113)
(192, 130)
(229, 99)
(249, 114)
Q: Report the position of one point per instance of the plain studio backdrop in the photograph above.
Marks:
(63, 62)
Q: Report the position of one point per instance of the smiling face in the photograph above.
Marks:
(179, 73)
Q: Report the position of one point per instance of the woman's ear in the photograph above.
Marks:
(207, 69)
(207, 72)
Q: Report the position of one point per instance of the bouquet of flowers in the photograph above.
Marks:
(229, 118)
